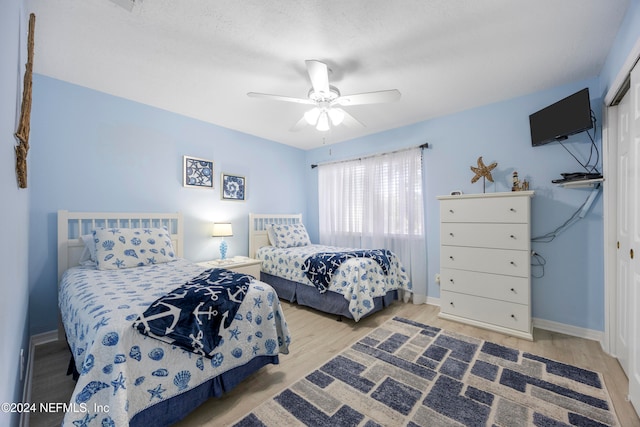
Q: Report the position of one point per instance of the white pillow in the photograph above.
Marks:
(272, 235)
(118, 248)
(288, 235)
(88, 256)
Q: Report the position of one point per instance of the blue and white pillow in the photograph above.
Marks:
(118, 248)
(288, 236)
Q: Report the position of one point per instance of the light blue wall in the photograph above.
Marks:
(14, 328)
(91, 151)
(95, 152)
(571, 290)
(628, 36)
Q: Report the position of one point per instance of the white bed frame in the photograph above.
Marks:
(73, 225)
(258, 238)
(258, 224)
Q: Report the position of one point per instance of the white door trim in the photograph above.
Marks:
(609, 197)
(610, 221)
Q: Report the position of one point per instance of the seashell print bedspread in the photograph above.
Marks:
(359, 280)
(122, 372)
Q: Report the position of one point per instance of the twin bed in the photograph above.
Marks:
(126, 377)
(359, 287)
(115, 269)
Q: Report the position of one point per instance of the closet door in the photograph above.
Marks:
(634, 290)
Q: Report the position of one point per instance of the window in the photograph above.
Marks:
(377, 195)
(376, 202)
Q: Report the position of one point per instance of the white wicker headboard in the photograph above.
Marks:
(258, 228)
(72, 225)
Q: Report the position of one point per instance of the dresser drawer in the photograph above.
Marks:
(500, 236)
(498, 261)
(494, 286)
(494, 209)
(500, 313)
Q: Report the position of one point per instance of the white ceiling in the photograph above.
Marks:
(199, 58)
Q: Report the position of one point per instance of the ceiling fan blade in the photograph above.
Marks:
(368, 98)
(319, 75)
(351, 121)
(281, 98)
(300, 124)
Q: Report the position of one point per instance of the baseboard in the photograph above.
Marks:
(563, 328)
(36, 340)
(44, 338)
(547, 325)
(424, 299)
(433, 301)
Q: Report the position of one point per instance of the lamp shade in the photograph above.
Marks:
(323, 122)
(312, 115)
(222, 229)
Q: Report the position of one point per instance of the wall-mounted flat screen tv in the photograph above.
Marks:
(566, 117)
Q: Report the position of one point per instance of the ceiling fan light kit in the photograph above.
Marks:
(320, 116)
(323, 122)
(312, 116)
(326, 100)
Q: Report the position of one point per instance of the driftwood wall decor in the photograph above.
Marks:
(25, 114)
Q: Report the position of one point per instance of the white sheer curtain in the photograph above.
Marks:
(376, 202)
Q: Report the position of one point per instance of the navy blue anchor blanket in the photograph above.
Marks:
(191, 315)
(319, 268)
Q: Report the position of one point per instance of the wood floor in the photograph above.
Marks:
(316, 338)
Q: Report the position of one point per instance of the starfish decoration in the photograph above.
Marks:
(118, 383)
(157, 392)
(483, 171)
(234, 333)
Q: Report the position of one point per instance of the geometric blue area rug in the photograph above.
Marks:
(406, 373)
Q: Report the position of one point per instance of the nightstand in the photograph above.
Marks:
(239, 264)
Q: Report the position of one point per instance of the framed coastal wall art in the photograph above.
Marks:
(233, 187)
(197, 173)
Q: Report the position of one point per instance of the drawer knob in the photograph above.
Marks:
(451, 280)
(512, 210)
(513, 290)
(512, 263)
(512, 236)
(450, 210)
(451, 258)
(513, 316)
(451, 303)
(451, 234)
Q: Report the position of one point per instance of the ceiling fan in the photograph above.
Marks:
(327, 100)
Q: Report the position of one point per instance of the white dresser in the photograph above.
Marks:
(485, 261)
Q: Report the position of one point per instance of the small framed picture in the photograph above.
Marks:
(233, 187)
(197, 172)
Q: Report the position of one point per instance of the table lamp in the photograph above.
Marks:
(222, 229)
